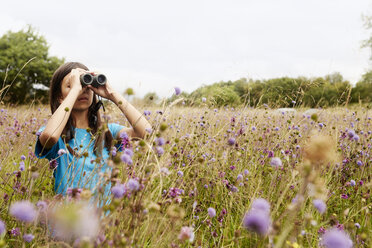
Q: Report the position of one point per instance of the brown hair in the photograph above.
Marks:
(95, 121)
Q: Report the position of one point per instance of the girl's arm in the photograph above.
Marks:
(136, 119)
(57, 122)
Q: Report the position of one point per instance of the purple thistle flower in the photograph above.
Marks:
(129, 152)
(359, 163)
(159, 150)
(180, 173)
(352, 182)
(15, 232)
(351, 133)
(356, 137)
(271, 154)
(211, 212)
(133, 185)
(261, 204)
(231, 141)
(177, 91)
(126, 159)
(276, 162)
(146, 113)
(254, 128)
(2, 227)
(23, 157)
(53, 164)
(23, 211)
(160, 141)
(257, 221)
(28, 237)
(320, 205)
(22, 166)
(42, 206)
(204, 99)
(336, 238)
(239, 177)
(118, 190)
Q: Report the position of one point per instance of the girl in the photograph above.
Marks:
(75, 140)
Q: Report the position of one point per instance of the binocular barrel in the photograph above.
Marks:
(95, 81)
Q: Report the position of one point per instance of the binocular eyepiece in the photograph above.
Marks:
(95, 81)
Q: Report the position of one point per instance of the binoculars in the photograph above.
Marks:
(95, 81)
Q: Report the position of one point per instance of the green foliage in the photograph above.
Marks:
(16, 49)
(363, 89)
(331, 90)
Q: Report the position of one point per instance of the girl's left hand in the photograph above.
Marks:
(105, 91)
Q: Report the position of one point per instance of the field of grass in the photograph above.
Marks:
(206, 178)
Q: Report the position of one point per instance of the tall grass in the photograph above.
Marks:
(218, 158)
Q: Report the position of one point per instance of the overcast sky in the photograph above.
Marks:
(155, 45)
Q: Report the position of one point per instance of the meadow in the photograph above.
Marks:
(204, 177)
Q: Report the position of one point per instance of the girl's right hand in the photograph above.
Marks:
(75, 78)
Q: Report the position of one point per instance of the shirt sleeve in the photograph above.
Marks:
(42, 152)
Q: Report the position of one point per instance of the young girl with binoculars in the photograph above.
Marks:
(76, 139)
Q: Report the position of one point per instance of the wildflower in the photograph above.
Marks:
(276, 162)
(320, 205)
(42, 206)
(160, 141)
(211, 212)
(344, 196)
(118, 190)
(357, 225)
(2, 227)
(359, 163)
(23, 211)
(351, 133)
(356, 137)
(74, 193)
(126, 159)
(204, 99)
(352, 183)
(231, 141)
(336, 238)
(146, 113)
(180, 173)
(239, 177)
(15, 231)
(53, 164)
(159, 150)
(28, 237)
(22, 166)
(177, 91)
(61, 152)
(257, 221)
(187, 233)
(133, 185)
(23, 157)
(261, 204)
(254, 128)
(129, 152)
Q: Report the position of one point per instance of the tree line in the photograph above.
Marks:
(26, 69)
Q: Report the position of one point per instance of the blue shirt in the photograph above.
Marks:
(79, 171)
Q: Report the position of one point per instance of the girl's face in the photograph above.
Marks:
(85, 98)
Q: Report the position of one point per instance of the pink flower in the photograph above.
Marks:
(187, 233)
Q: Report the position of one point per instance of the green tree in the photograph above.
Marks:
(24, 61)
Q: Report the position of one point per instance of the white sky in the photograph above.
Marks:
(156, 45)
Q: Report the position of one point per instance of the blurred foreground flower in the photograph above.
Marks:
(276, 162)
(187, 233)
(23, 211)
(75, 221)
(2, 228)
(320, 150)
(320, 205)
(336, 238)
(258, 218)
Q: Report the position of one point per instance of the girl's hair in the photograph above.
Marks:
(95, 121)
